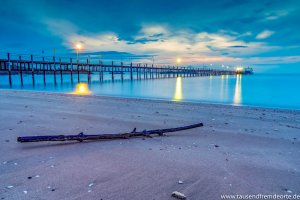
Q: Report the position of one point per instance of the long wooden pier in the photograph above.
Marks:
(12, 64)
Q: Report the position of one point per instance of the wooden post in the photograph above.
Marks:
(60, 68)
(44, 73)
(145, 73)
(102, 73)
(54, 70)
(168, 71)
(89, 71)
(100, 76)
(140, 71)
(32, 69)
(122, 75)
(151, 71)
(131, 75)
(78, 76)
(9, 69)
(54, 74)
(71, 70)
(112, 71)
(21, 71)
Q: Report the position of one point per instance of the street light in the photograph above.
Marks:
(78, 47)
(178, 61)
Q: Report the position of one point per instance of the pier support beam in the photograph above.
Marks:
(71, 71)
(54, 76)
(131, 75)
(89, 70)
(122, 72)
(112, 71)
(9, 69)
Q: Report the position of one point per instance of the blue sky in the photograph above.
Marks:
(264, 34)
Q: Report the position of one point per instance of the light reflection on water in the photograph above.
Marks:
(178, 89)
(258, 90)
(238, 90)
(81, 89)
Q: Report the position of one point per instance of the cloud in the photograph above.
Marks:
(238, 46)
(265, 34)
(164, 42)
(275, 15)
(190, 29)
(273, 60)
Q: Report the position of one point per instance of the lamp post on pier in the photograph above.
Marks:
(78, 48)
(178, 61)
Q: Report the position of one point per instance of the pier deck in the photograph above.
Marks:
(34, 65)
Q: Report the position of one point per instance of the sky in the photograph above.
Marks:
(264, 34)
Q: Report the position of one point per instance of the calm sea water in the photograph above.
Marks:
(277, 91)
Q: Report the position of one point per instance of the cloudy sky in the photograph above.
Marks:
(261, 33)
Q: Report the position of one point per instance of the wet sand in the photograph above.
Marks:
(240, 150)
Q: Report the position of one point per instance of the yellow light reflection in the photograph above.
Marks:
(178, 90)
(238, 90)
(222, 87)
(82, 89)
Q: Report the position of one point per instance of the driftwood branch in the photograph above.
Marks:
(80, 137)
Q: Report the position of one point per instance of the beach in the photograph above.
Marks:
(239, 150)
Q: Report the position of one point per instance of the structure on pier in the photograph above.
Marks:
(15, 64)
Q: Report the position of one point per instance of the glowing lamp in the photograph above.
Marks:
(78, 46)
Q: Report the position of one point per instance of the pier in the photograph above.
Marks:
(13, 64)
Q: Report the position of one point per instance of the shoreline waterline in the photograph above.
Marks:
(153, 100)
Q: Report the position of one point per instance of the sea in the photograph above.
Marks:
(258, 90)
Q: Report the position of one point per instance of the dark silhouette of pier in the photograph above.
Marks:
(12, 64)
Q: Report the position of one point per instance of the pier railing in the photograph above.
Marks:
(17, 64)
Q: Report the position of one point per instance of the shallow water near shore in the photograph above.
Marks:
(275, 91)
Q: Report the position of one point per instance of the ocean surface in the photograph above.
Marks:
(262, 90)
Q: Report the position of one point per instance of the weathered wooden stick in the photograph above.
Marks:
(80, 137)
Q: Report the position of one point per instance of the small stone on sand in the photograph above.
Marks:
(91, 184)
(180, 182)
(178, 195)
(10, 186)
(25, 191)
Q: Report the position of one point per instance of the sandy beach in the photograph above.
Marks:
(240, 150)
